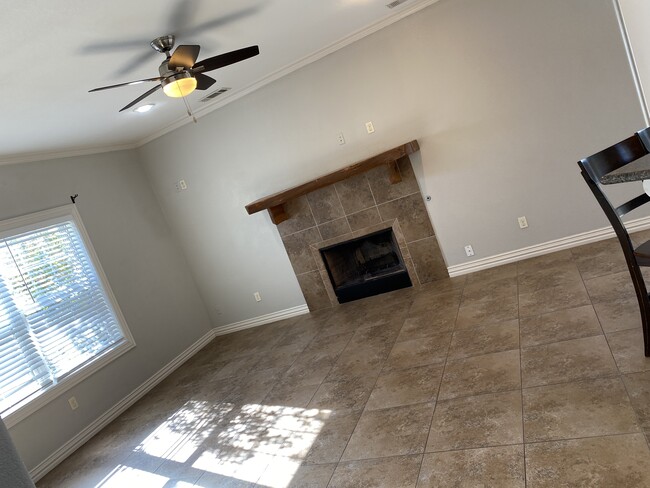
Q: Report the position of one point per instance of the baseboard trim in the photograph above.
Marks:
(262, 320)
(112, 413)
(545, 248)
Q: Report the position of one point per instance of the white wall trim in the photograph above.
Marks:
(49, 155)
(261, 320)
(199, 112)
(112, 413)
(632, 60)
(290, 68)
(545, 248)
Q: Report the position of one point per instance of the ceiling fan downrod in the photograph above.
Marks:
(163, 44)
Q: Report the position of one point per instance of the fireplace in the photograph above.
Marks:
(365, 266)
(377, 194)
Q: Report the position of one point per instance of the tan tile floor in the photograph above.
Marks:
(530, 374)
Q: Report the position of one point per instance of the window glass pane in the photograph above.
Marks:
(54, 313)
(22, 370)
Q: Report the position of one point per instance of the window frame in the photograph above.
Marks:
(34, 221)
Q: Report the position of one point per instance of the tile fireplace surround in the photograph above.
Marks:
(354, 207)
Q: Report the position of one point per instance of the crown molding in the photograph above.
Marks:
(290, 68)
(46, 156)
(231, 96)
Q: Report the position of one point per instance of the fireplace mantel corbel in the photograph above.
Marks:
(275, 203)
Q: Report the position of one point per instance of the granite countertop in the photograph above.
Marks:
(634, 171)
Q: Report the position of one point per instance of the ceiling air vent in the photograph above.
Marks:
(214, 94)
(396, 3)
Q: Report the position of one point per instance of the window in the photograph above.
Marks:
(58, 319)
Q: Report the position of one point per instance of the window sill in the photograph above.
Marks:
(23, 410)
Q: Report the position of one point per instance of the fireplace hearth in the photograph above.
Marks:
(365, 266)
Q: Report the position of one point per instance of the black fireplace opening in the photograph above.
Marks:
(366, 266)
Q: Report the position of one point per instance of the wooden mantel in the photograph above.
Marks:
(275, 203)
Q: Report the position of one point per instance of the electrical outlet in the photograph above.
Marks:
(73, 403)
(469, 250)
(523, 223)
(257, 296)
(180, 186)
(370, 128)
(340, 138)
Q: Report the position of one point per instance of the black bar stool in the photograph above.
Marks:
(593, 168)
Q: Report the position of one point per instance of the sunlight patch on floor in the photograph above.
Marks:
(255, 443)
(267, 441)
(127, 476)
(179, 437)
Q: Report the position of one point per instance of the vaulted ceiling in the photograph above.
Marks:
(55, 51)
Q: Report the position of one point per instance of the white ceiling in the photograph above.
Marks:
(55, 51)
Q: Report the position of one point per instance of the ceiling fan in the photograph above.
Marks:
(180, 73)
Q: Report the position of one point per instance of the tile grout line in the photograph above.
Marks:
(366, 402)
(442, 375)
(364, 406)
(314, 217)
(372, 193)
(596, 436)
(290, 365)
(562, 341)
(324, 321)
(376, 205)
(357, 422)
(620, 374)
(521, 381)
(576, 380)
(345, 215)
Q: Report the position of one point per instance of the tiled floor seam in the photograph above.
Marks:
(521, 379)
(384, 457)
(338, 470)
(620, 373)
(565, 439)
(566, 340)
(480, 394)
(364, 406)
(442, 375)
(461, 358)
(576, 380)
(486, 446)
(634, 409)
(561, 340)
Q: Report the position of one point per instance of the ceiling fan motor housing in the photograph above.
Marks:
(180, 73)
(163, 44)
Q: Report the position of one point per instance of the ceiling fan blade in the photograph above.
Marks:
(203, 82)
(221, 60)
(136, 82)
(184, 56)
(141, 97)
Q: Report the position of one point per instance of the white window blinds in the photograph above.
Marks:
(55, 316)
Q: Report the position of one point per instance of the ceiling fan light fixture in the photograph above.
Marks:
(179, 85)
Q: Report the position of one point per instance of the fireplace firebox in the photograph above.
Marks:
(365, 266)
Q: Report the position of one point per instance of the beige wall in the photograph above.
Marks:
(503, 96)
(635, 16)
(144, 266)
